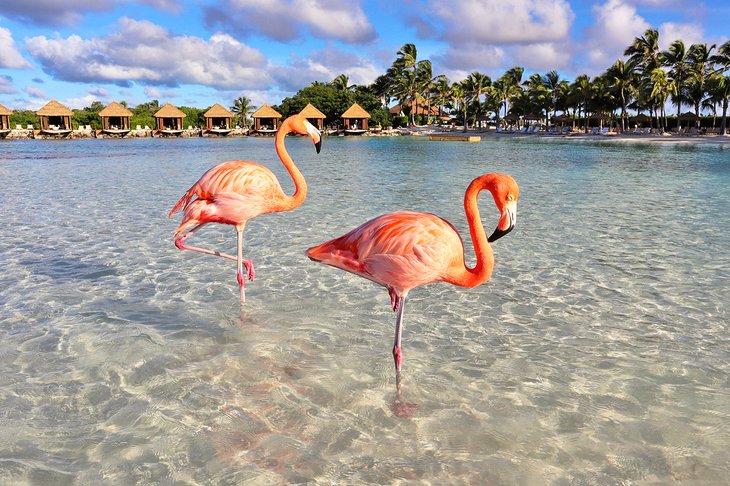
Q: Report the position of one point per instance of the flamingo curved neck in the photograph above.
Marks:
(300, 185)
(482, 270)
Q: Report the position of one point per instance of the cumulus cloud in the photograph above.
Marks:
(687, 33)
(324, 65)
(543, 56)
(471, 57)
(9, 55)
(52, 12)
(143, 52)
(289, 20)
(500, 22)
(616, 24)
(36, 92)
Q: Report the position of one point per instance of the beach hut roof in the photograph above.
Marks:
(5, 111)
(218, 111)
(688, 116)
(266, 112)
(115, 109)
(310, 111)
(169, 111)
(420, 109)
(54, 108)
(355, 111)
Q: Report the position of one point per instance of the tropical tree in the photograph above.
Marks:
(342, 83)
(663, 88)
(241, 108)
(411, 77)
(623, 78)
(552, 83)
(583, 91)
(719, 90)
(677, 59)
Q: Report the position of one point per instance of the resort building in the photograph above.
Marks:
(356, 120)
(401, 109)
(314, 116)
(5, 120)
(115, 118)
(266, 120)
(218, 120)
(55, 119)
(169, 120)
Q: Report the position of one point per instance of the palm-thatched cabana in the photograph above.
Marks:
(115, 118)
(169, 119)
(55, 118)
(314, 116)
(5, 120)
(266, 120)
(356, 120)
(218, 119)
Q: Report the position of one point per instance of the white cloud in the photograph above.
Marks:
(9, 55)
(289, 20)
(687, 33)
(471, 57)
(543, 56)
(52, 12)
(36, 92)
(140, 51)
(503, 22)
(617, 23)
(324, 65)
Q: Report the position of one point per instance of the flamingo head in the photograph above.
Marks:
(505, 191)
(299, 124)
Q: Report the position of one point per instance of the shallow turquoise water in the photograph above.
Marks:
(599, 352)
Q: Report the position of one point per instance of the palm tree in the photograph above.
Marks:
(411, 76)
(241, 108)
(676, 58)
(342, 83)
(644, 51)
(552, 82)
(538, 93)
(719, 89)
(623, 78)
(583, 91)
(476, 85)
(663, 87)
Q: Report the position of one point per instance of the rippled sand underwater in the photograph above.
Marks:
(597, 354)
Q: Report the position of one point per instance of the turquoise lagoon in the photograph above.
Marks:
(599, 353)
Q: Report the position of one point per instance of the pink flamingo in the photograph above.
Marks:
(403, 250)
(236, 191)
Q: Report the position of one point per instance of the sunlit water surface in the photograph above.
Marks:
(598, 353)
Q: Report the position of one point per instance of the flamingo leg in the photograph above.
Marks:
(397, 353)
(180, 243)
(240, 264)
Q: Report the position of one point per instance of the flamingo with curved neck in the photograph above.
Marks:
(403, 250)
(236, 191)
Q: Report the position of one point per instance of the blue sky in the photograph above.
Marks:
(200, 52)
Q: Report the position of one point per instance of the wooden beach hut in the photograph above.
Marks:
(356, 120)
(314, 116)
(115, 119)
(266, 120)
(169, 120)
(5, 120)
(218, 120)
(55, 119)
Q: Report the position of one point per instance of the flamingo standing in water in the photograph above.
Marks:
(236, 191)
(403, 250)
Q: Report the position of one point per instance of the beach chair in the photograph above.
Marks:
(18, 127)
(594, 131)
(604, 131)
(647, 130)
(536, 129)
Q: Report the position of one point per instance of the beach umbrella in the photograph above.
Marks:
(689, 116)
(641, 118)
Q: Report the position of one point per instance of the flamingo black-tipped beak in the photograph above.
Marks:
(318, 145)
(506, 223)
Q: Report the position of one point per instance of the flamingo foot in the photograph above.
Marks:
(393, 299)
(251, 273)
(401, 408)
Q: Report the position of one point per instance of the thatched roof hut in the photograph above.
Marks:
(169, 118)
(55, 117)
(115, 117)
(399, 109)
(356, 119)
(218, 118)
(314, 116)
(5, 118)
(266, 119)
